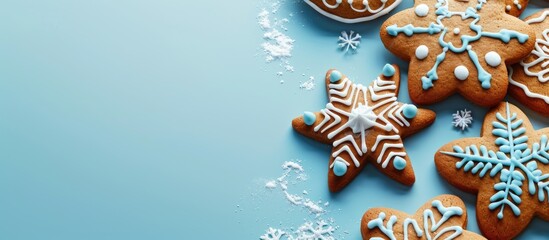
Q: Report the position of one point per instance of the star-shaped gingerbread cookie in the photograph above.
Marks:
(365, 124)
(508, 169)
(443, 217)
(457, 46)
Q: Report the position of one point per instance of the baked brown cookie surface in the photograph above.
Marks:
(353, 11)
(365, 124)
(508, 169)
(529, 79)
(457, 47)
(515, 7)
(443, 217)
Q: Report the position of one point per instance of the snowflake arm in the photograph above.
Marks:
(273, 234)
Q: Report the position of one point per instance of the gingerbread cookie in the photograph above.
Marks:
(353, 11)
(508, 169)
(529, 79)
(443, 217)
(365, 124)
(457, 46)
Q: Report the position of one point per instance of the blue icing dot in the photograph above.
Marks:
(388, 70)
(335, 76)
(340, 168)
(309, 118)
(399, 163)
(409, 111)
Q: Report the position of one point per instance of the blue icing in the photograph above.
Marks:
(409, 111)
(340, 168)
(335, 76)
(399, 163)
(388, 70)
(309, 118)
(442, 12)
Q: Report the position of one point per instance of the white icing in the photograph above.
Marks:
(421, 52)
(492, 58)
(461, 72)
(422, 10)
(456, 31)
(541, 58)
(526, 90)
(508, 7)
(364, 102)
(374, 13)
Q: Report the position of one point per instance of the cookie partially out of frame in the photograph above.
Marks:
(353, 11)
(443, 217)
(457, 46)
(365, 124)
(507, 168)
(529, 79)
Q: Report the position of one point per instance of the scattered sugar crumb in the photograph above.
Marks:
(305, 192)
(309, 84)
(270, 184)
(276, 45)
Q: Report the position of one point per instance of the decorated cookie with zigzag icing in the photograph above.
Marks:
(353, 11)
(508, 169)
(529, 79)
(365, 124)
(443, 217)
(458, 46)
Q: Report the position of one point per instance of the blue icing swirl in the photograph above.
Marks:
(442, 12)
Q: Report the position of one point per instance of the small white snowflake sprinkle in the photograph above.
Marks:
(273, 234)
(462, 119)
(349, 40)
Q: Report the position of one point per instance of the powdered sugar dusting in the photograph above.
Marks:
(277, 45)
(294, 172)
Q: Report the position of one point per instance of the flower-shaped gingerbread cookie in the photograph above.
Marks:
(457, 46)
(443, 217)
(365, 123)
(529, 79)
(353, 11)
(508, 168)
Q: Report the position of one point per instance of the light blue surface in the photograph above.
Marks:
(137, 119)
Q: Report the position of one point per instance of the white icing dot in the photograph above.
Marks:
(456, 31)
(421, 52)
(422, 10)
(493, 59)
(461, 72)
(508, 8)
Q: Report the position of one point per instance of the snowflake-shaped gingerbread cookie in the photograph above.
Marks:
(529, 79)
(443, 217)
(458, 46)
(365, 124)
(353, 11)
(508, 168)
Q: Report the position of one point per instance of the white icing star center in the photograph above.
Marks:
(362, 118)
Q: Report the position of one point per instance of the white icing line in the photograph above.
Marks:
(354, 20)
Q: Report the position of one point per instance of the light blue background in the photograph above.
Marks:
(137, 119)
